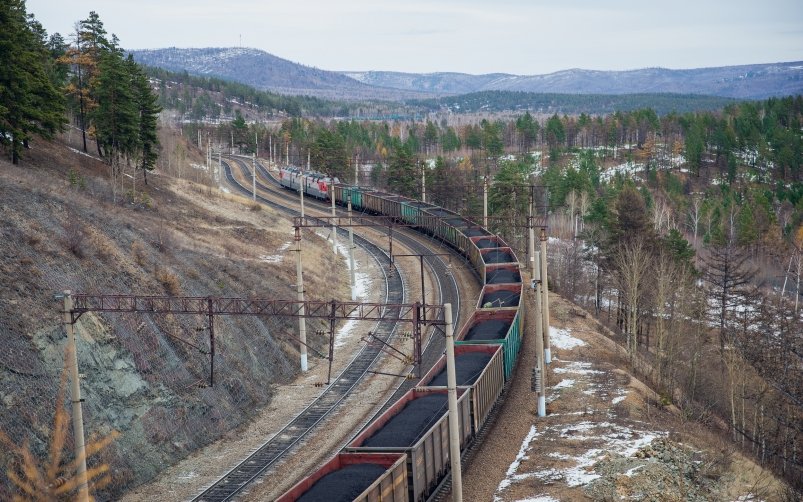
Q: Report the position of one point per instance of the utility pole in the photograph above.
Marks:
(423, 184)
(357, 170)
(254, 178)
(256, 143)
(301, 193)
(309, 159)
(485, 202)
(302, 324)
(454, 428)
(270, 148)
(220, 168)
(351, 256)
(334, 228)
(545, 295)
(232, 141)
(77, 411)
(540, 370)
(287, 153)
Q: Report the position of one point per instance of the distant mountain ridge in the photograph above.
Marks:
(757, 81)
(265, 71)
(268, 72)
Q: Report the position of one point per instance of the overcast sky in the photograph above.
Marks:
(523, 37)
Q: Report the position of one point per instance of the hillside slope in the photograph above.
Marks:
(265, 71)
(145, 376)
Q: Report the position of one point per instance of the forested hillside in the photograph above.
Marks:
(682, 232)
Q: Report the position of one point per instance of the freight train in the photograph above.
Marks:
(403, 454)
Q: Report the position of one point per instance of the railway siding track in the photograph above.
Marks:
(295, 432)
(275, 448)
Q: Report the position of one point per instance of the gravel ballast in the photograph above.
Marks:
(406, 427)
(468, 367)
(343, 485)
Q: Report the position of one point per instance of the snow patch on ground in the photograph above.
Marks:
(626, 169)
(561, 338)
(511, 471)
(563, 384)
(279, 256)
(362, 287)
(79, 152)
(539, 498)
(609, 437)
(577, 367)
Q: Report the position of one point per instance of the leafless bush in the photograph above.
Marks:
(138, 253)
(102, 245)
(163, 239)
(256, 207)
(74, 234)
(169, 280)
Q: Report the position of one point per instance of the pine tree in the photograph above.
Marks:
(29, 103)
(116, 117)
(83, 59)
(402, 177)
(148, 113)
(329, 154)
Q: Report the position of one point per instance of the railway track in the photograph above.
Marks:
(449, 291)
(285, 440)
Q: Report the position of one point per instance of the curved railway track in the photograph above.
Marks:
(274, 449)
(449, 291)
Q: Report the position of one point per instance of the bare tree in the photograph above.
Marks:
(695, 213)
(632, 263)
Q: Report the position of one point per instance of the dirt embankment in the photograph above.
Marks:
(144, 375)
(606, 436)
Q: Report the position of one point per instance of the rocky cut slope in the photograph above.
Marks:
(144, 375)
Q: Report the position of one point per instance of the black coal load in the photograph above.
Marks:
(344, 484)
(492, 329)
(500, 299)
(457, 222)
(475, 232)
(407, 426)
(467, 368)
(487, 243)
(497, 257)
(439, 212)
(502, 276)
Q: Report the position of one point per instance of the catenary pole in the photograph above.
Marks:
(545, 295)
(485, 201)
(77, 411)
(302, 323)
(454, 427)
(352, 272)
(540, 368)
(334, 213)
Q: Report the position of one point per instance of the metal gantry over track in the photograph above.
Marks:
(416, 313)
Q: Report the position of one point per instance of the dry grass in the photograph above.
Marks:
(169, 280)
(138, 253)
(74, 235)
